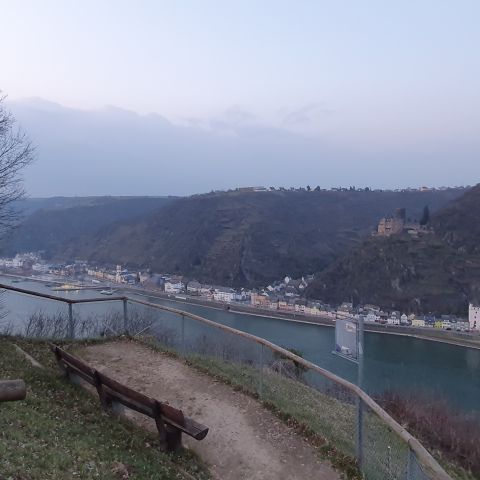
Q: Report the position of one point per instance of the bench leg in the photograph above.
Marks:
(117, 408)
(162, 433)
(75, 379)
(105, 400)
(174, 438)
(63, 369)
(170, 437)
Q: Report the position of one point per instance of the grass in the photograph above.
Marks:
(60, 432)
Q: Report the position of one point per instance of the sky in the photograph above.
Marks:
(331, 92)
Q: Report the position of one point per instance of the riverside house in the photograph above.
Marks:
(474, 316)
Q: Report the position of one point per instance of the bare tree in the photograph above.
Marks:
(16, 152)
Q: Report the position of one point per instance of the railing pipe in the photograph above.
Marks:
(260, 386)
(359, 402)
(183, 335)
(125, 315)
(60, 299)
(71, 326)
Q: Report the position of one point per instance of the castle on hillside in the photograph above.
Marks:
(397, 224)
(392, 225)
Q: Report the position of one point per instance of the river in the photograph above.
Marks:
(391, 362)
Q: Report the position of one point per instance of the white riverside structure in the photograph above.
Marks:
(474, 316)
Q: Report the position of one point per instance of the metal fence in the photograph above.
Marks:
(317, 400)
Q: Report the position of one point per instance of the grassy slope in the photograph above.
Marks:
(60, 432)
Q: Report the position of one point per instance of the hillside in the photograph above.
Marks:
(249, 238)
(51, 224)
(437, 272)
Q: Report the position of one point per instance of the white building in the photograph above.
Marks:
(393, 320)
(222, 294)
(193, 287)
(41, 267)
(446, 324)
(118, 274)
(418, 322)
(474, 316)
(371, 317)
(404, 319)
(17, 262)
(172, 286)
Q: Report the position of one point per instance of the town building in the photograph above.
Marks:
(223, 294)
(259, 300)
(418, 322)
(371, 317)
(193, 287)
(174, 286)
(474, 316)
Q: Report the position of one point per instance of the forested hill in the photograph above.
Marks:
(248, 238)
(437, 272)
(52, 224)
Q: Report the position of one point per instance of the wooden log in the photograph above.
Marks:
(12, 390)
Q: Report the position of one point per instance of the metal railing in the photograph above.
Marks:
(316, 399)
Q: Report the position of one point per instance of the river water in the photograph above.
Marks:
(391, 362)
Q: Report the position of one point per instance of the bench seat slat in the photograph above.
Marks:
(77, 363)
(127, 392)
(130, 403)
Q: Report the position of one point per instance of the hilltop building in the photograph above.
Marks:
(397, 224)
(392, 225)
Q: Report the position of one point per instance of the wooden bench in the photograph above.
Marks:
(171, 422)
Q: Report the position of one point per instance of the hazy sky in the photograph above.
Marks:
(376, 81)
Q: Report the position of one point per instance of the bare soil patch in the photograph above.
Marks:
(245, 442)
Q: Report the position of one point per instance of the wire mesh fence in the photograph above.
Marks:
(305, 395)
(318, 401)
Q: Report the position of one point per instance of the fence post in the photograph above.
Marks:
(183, 335)
(71, 327)
(359, 400)
(125, 316)
(410, 465)
(260, 386)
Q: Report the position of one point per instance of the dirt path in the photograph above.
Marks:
(245, 441)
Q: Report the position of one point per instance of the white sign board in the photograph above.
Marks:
(346, 339)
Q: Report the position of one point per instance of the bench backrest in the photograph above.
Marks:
(129, 397)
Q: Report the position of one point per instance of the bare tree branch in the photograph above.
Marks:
(16, 152)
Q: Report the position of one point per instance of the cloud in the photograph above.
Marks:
(304, 115)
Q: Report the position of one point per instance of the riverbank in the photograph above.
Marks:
(447, 337)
